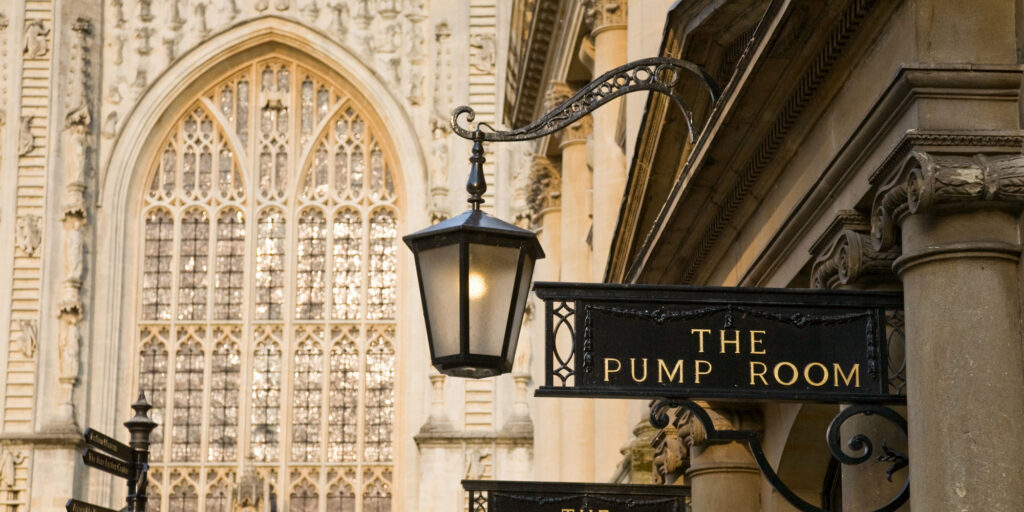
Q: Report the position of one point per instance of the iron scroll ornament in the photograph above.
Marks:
(659, 419)
(660, 74)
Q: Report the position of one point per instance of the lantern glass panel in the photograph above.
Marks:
(520, 305)
(439, 270)
(492, 279)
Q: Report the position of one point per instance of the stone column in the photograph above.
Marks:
(577, 449)
(607, 21)
(849, 261)
(959, 218)
(722, 476)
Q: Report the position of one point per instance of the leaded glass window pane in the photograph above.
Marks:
(307, 397)
(343, 423)
(380, 396)
(377, 497)
(157, 274)
(218, 499)
(225, 384)
(270, 265)
(188, 398)
(304, 498)
(348, 265)
(312, 266)
(193, 263)
(229, 284)
(184, 498)
(380, 293)
(153, 382)
(341, 499)
(266, 398)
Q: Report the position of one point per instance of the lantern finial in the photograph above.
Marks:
(476, 185)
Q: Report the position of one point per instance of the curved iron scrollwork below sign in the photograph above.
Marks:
(859, 442)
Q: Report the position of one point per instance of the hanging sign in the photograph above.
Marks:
(81, 506)
(506, 496)
(718, 343)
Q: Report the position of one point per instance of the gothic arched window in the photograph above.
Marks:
(267, 306)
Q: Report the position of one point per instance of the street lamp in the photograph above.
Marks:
(474, 270)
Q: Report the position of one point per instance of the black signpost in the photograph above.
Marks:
(128, 461)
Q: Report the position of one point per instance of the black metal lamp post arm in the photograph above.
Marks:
(659, 74)
(659, 419)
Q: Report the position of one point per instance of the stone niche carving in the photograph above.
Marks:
(8, 462)
(28, 234)
(26, 141)
(482, 52)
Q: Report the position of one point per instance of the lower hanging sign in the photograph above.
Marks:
(509, 496)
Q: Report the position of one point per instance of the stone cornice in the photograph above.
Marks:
(445, 439)
(929, 183)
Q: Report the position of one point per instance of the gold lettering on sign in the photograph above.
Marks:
(700, 333)
(697, 372)
(724, 342)
(663, 371)
(854, 375)
(755, 341)
(759, 374)
(824, 374)
(792, 368)
(632, 370)
(607, 367)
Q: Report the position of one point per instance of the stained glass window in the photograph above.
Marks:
(268, 267)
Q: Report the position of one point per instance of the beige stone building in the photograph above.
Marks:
(857, 144)
(203, 200)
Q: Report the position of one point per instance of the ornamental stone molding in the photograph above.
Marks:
(930, 183)
(602, 15)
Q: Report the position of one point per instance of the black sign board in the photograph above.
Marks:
(717, 343)
(81, 506)
(505, 496)
(108, 444)
(102, 461)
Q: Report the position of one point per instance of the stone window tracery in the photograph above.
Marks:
(267, 309)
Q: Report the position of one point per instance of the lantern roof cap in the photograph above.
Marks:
(476, 221)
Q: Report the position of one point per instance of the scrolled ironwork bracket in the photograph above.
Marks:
(861, 443)
(659, 74)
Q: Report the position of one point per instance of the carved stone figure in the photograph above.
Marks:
(482, 52)
(363, 14)
(261, 5)
(415, 86)
(230, 10)
(143, 34)
(118, 48)
(439, 150)
(177, 21)
(110, 125)
(28, 234)
(309, 10)
(8, 461)
(36, 43)
(281, 5)
(417, 45)
(26, 342)
(68, 344)
(3, 21)
(338, 24)
(74, 252)
(76, 168)
(200, 12)
(171, 45)
(118, 7)
(475, 464)
(26, 141)
(146, 10)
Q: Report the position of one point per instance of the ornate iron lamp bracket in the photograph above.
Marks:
(658, 74)
(858, 442)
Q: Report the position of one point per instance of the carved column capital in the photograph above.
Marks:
(602, 15)
(929, 183)
(544, 189)
(850, 257)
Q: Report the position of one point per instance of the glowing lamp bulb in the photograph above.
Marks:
(477, 286)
